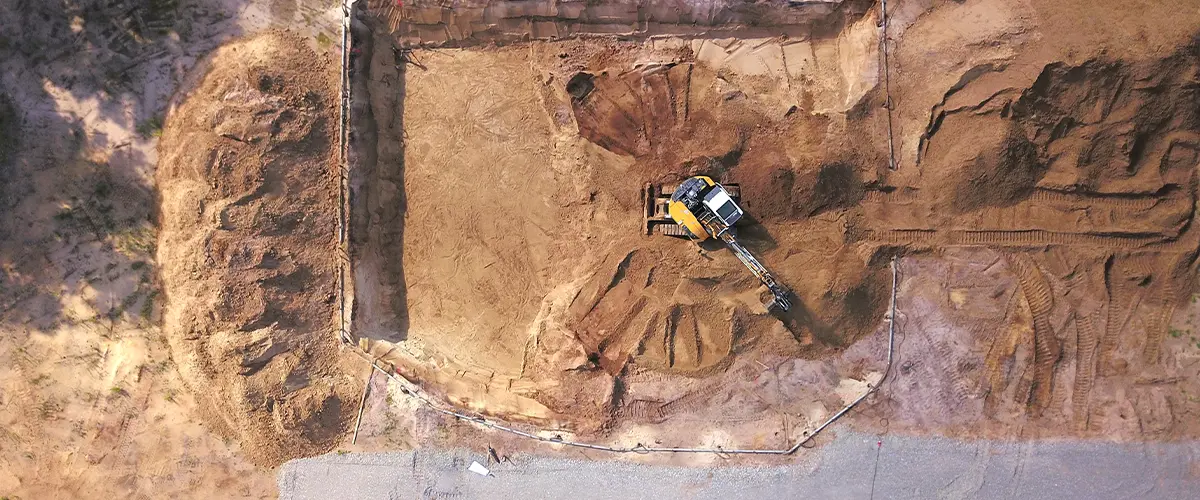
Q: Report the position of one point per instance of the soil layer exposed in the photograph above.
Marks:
(168, 307)
(1050, 196)
(249, 207)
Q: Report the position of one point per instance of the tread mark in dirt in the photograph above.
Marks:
(1158, 320)
(643, 411)
(1002, 347)
(1022, 238)
(1085, 368)
(689, 403)
(1136, 203)
(1045, 346)
(1123, 300)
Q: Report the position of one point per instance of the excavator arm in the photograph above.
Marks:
(703, 209)
(778, 292)
(719, 229)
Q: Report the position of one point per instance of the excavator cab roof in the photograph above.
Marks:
(721, 204)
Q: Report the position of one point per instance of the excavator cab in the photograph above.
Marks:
(722, 204)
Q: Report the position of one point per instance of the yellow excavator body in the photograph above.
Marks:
(684, 217)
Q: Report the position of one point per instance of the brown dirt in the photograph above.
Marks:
(1034, 165)
(555, 280)
(1043, 208)
(249, 207)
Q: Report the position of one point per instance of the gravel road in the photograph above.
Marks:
(852, 466)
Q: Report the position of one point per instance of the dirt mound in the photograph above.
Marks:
(248, 210)
(1102, 126)
(990, 164)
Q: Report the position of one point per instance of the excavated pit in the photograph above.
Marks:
(499, 262)
(498, 254)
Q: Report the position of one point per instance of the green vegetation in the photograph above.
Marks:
(148, 305)
(150, 127)
(136, 241)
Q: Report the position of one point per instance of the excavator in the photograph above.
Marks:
(698, 209)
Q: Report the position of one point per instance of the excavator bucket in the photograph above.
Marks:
(656, 198)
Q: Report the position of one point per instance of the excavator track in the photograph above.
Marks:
(656, 198)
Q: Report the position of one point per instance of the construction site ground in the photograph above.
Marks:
(173, 210)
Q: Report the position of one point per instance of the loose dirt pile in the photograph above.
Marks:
(249, 207)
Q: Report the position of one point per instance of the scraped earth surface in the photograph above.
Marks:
(1041, 207)
(249, 207)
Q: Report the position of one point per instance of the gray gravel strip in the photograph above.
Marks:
(908, 467)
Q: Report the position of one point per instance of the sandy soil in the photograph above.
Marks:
(247, 242)
(1043, 197)
(92, 402)
(1041, 205)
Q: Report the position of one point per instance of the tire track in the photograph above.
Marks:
(1137, 203)
(1046, 348)
(1003, 347)
(1006, 238)
(642, 410)
(692, 402)
(1123, 300)
(1133, 203)
(1085, 368)
(1158, 322)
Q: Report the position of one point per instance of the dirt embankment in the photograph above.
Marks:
(248, 210)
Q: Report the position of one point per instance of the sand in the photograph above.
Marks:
(524, 290)
(169, 307)
(91, 402)
(248, 247)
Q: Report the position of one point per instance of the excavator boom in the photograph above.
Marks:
(718, 228)
(778, 291)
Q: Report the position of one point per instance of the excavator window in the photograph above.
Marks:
(720, 203)
(727, 211)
